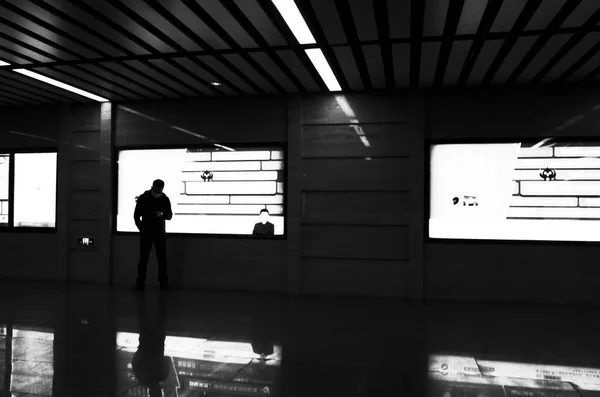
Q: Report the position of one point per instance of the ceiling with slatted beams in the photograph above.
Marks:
(153, 49)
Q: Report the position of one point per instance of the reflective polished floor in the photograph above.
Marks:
(89, 340)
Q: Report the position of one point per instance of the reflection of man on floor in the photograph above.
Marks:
(150, 366)
(264, 227)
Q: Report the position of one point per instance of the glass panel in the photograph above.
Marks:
(35, 189)
(32, 362)
(211, 191)
(4, 186)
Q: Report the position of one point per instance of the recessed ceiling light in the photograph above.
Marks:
(216, 83)
(318, 59)
(58, 84)
(292, 16)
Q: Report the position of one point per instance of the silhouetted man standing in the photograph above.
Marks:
(154, 207)
(264, 227)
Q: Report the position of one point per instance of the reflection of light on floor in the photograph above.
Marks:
(469, 370)
(202, 349)
(32, 359)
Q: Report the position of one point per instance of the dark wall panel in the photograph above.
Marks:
(201, 121)
(29, 126)
(356, 208)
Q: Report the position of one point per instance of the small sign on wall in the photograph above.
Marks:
(86, 241)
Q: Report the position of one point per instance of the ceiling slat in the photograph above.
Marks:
(348, 64)
(226, 21)
(383, 33)
(452, 19)
(512, 60)
(547, 11)
(276, 72)
(299, 69)
(435, 17)
(121, 74)
(161, 78)
(484, 60)
(509, 12)
(192, 81)
(21, 49)
(11, 80)
(429, 60)
(329, 20)
(343, 9)
(65, 96)
(581, 14)
(261, 21)
(542, 57)
(229, 75)
(417, 16)
(456, 60)
(364, 19)
(120, 90)
(375, 65)
(399, 18)
(401, 54)
(575, 55)
(472, 12)
(74, 81)
(248, 70)
(207, 74)
(583, 66)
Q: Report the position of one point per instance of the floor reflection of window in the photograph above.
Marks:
(456, 375)
(206, 365)
(32, 362)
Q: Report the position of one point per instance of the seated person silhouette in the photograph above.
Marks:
(264, 227)
(150, 366)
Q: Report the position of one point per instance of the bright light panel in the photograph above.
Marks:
(318, 59)
(291, 14)
(2, 63)
(58, 84)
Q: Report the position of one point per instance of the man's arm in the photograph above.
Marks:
(168, 214)
(137, 214)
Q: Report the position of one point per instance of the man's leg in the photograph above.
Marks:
(160, 242)
(145, 248)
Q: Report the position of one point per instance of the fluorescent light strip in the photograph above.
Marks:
(58, 84)
(291, 14)
(318, 59)
(2, 63)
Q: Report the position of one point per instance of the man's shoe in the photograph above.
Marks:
(137, 288)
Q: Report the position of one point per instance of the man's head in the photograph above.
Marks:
(157, 187)
(264, 215)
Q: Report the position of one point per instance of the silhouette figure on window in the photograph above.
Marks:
(264, 227)
(152, 369)
(154, 207)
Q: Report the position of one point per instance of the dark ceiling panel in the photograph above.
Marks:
(241, 64)
(24, 95)
(47, 34)
(108, 10)
(183, 13)
(10, 45)
(512, 60)
(170, 82)
(586, 69)
(435, 17)
(160, 23)
(348, 65)
(401, 56)
(484, 60)
(227, 22)
(375, 65)
(458, 55)
(429, 58)
(545, 14)
(110, 85)
(291, 59)
(471, 16)
(399, 18)
(542, 58)
(586, 44)
(65, 56)
(102, 29)
(191, 82)
(507, 16)
(52, 21)
(581, 13)
(329, 20)
(18, 99)
(206, 76)
(363, 14)
(136, 82)
(227, 73)
(267, 63)
(11, 58)
(261, 22)
(77, 83)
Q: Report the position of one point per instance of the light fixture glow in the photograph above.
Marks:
(292, 16)
(58, 84)
(2, 63)
(216, 83)
(318, 59)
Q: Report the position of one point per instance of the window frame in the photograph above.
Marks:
(11, 192)
(254, 145)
